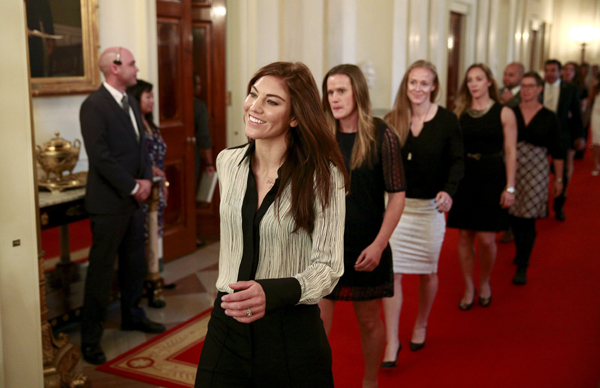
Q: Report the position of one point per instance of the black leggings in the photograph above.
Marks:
(524, 231)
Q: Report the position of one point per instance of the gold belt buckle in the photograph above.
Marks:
(474, 156)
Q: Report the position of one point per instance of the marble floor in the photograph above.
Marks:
(195, 276)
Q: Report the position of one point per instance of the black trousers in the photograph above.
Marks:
(285, 348)
(122, 236)
(525, 234)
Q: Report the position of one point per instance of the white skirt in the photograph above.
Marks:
(595, 121)
(417, 240)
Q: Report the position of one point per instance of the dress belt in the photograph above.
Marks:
(486, 156)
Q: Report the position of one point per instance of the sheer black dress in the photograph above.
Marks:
(365, 207)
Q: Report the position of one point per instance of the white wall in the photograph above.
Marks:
(569, 14)
(20, 326)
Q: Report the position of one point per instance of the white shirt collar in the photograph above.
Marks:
(515, 90)
(118, 96)
(553, 85)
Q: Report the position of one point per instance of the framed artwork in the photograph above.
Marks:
(63, 46)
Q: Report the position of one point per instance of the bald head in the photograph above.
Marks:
(118, 66)
(513, 73)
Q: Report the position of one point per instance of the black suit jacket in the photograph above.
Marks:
(569, 113)
(116, 157)
(514, 101)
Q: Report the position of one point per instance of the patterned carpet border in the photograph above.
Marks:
(168, 360)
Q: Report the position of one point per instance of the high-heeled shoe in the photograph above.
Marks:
(414, 346)
(392, 364)
(485, 302)
(466, 306)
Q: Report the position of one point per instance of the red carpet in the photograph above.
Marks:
(545, 334)
(168, 360)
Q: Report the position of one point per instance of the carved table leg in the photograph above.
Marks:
(59, 355)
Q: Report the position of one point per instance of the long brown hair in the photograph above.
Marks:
(365, 148)
(312, 148)
(399, 117)
(464, 98)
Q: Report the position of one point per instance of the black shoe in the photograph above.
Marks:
(145, 325)
(93, 354)
(418, 346)
(392, 364)
(467, 306)
(485, 302)
(560, 215)
(520, 278)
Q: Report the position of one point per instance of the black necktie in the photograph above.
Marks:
(125, 104)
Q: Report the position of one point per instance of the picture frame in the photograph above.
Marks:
(82, 74)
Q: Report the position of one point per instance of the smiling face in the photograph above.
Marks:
(341, 97)
(478, 83)
(267, 110)
(146, 102)
(421, 83)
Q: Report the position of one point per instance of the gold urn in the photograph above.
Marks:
(57, 156)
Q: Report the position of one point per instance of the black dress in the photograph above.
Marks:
(365, 208)
(477, 201)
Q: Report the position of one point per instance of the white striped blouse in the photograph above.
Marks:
(316, 261)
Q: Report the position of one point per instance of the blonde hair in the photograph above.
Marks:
(399, 117)
(464, 98)
(365, 147)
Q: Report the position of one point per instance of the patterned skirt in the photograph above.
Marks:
(531, 182)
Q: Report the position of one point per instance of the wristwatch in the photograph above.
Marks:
(510, 189)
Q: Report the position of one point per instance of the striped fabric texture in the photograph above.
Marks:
(315, 261)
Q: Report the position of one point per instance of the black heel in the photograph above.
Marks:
(418, 346)
(392, 364)
(467, 306)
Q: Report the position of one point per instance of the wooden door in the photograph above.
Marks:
(208, 48)
(454, 57)
(176, 124)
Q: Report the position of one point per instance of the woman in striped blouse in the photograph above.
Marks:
(282, 223)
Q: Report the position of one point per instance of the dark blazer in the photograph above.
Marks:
(514, 101)
(116, 157)
(569, 113)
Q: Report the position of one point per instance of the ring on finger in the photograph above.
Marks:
(248, 312)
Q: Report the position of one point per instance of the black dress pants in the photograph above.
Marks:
(525, 234)
(559, 201)
(285, 348)
(122, 236)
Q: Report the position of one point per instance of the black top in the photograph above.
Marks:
(433, 161)
(365, 208)
(365, 204)
(278, 292)
(543, 131)
(481, 135)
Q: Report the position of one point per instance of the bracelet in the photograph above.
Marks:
(559, 180)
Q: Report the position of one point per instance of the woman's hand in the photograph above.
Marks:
(443, 202)
(251, 296)
(557, 188)
(506, 199)
(157, 172)
(165, 188)
(369, 258)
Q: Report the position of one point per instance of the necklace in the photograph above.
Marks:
(480, 113)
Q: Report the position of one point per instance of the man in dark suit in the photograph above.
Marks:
(563, 99)
(119, 177)
(510, 93)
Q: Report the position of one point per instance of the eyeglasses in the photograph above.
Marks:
(529, 86)
(117, 60)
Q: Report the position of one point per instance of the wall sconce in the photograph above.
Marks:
(584, 35)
